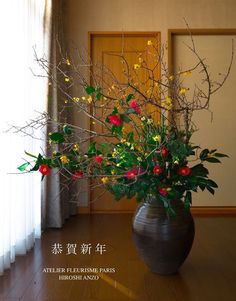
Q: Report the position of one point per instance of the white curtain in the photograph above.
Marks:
(24, 24)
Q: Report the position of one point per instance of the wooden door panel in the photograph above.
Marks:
(105, 50)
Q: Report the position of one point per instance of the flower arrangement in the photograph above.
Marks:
(137, 144)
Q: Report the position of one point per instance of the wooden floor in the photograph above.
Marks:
(208, 274)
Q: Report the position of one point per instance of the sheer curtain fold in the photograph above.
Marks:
(24, 25)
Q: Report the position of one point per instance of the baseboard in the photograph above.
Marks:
(214, 211)
(83, 210)
(196, 211)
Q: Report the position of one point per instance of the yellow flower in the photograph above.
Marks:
(67, 62)
(168, 189)
(113, 171)
(128, 144)
(139, 159)
(132, 147)
(136, 66)
(67, 79)
(66, 101)
(83, 98)
(157, 138)
(76, 147)
(89, 99)
(182, 91)
(149, 121)
(143, 118)
(167, 103)
(149, 42)
(115, 153)
(113, 87)
(123, 140)
(76, 99)
(171, 77)
(105, 180)
(187, 73)
(168, 100)
(64, 159)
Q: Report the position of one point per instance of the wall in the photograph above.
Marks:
(153, 15)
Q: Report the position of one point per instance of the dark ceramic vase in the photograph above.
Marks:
(163, 241)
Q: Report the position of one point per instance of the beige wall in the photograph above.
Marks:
(159, 15)
(216, 127)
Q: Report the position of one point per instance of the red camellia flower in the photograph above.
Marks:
(155, 159)
(131, 174)
(162, 191)
(44, 169)
(133, 105)
(157, 170)
(164, 152)
(184, 171)
(78, 175)
(115, 119)
(98, 158)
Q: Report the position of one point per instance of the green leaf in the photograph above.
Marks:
(23, 166)
(67, 130)
(204, 153)
(188, 200)
(40, 159)
(199, 170)
(202, 186)
(89, 90)
(92, 149)
(130, 137)
(57, 137)
(130, 111)
(28, 154)
(98, 95)
(212, 183)
(36, 167)
(212, 160)
(125, 118)
(129, 97)
(115, 111)
(219, 155)
(211, 190)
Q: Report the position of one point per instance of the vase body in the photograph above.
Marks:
(163, 241)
